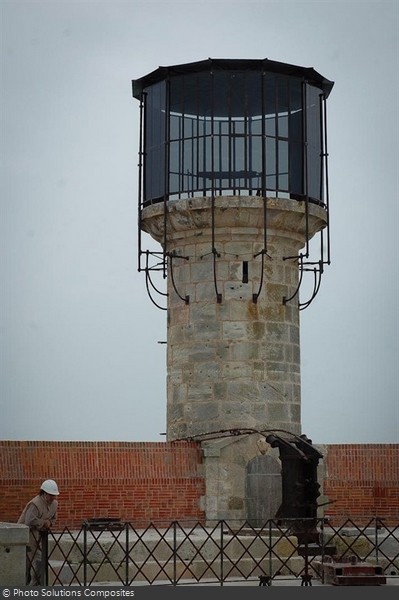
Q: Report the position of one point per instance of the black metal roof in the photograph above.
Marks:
(264, 64)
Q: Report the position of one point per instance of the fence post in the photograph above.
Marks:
(174, 553)
(376, 543)
(221, 553)
(44, 558)
(85, 526)
(270, 550)
(127, 552)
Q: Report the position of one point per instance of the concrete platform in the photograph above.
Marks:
(283, 582)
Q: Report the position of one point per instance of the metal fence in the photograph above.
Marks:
(120, 554)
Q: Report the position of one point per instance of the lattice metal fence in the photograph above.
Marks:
(120, 554)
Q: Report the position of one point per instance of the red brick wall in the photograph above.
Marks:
(132, 481)
(160, 482)
(362, 480)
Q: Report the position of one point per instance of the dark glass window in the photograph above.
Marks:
(231, 132)
(154, 144)
(314, 143)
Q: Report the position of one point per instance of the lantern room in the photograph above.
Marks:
(232, 127)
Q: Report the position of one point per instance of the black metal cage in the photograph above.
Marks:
(232, 127)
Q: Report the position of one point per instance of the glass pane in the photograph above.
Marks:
(270, 156)
(314, 148)
(295, 94)
(189, 127)
(282, 157)
(270, 93)
(216, 154)
(282, 93)
(283, 182)
(189, 93)
(283, 126)
(255, 126)
(238, 127)
(208, 127)
(254, 94)
(208, 154)
(224, 127)
(187, 160)
(174, 158)
(175, 95)
(154, 171)
(224, 148)
(154, 142)
(203, 97)
(220, 100)
(255, 154)
(239, 154)
(175, 127)
(236, 94)
(270, 125)
(270, 182)
(296, 168)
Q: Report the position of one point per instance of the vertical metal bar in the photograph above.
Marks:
(198, 137)
(190, 184)
(166, 173)
(182, 151)
(204, 165)
(321, 176)
(270, 552)
(140, 181)
(276, 133)
(246, 135)
(221, 553)
(127, 526)
(174, 553)
(182, 130)
(264, 160)
(305, 155)
(323, 549)
(289, 83)
(321, 154)
(230, 135)
(85, 554)
(263, 133)
(376, 538)
(214, 251)
(233, 156)
(44, 558)
(213, 133)
(220, 157)
(327, 199)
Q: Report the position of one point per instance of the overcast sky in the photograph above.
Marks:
(80, 351)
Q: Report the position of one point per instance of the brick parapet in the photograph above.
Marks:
(132, 481)
(145, 482)
(362, 480)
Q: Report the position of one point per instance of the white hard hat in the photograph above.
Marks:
(50, 487)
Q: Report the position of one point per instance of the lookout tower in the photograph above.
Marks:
(233, 188)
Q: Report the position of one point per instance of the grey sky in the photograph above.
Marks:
(80, 358)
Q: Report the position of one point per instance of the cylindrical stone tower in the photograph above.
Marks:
(233, 186)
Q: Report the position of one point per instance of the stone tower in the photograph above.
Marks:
(233, 187)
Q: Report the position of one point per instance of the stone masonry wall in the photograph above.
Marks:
(233, 353)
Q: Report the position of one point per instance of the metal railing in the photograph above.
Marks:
(121, 554)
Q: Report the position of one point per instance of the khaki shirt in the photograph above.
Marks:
(35, 513)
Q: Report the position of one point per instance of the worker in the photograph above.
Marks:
(39, 515)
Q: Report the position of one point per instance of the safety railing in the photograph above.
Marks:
(194, 553)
